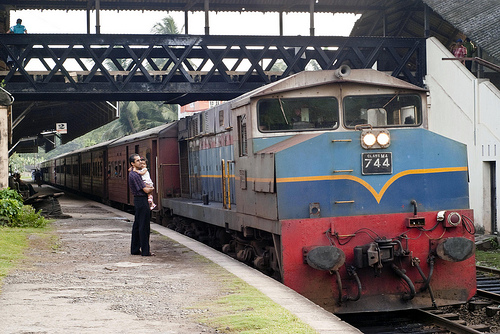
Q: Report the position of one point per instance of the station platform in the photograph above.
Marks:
(83, 279)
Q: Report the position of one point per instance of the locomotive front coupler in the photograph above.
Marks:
(376, 253)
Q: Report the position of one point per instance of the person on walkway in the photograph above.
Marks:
(471, 49)
(146, 177)
(38, 178)
(141, 226)
(459, 51)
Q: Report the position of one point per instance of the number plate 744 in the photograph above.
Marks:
(376, 163)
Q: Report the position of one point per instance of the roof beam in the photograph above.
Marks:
(276, 6)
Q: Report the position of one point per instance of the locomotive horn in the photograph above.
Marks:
(342, 71)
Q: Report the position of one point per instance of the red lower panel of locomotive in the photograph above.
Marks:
(383, 262)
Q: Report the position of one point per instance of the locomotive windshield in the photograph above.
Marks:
(382, 110)
(298, 114)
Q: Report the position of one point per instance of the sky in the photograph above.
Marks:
(135, 22)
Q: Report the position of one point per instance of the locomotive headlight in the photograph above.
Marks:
(383, 139)
(374, 138)
(368, 139)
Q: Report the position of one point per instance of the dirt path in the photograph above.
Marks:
(85, 281)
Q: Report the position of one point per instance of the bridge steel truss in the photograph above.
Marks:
(185, 68)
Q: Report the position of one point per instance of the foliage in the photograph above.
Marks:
(135, 116)
(9, 209)
(23, 162)
(14, 214)
(488, 258)
(8, 193)
(494, 242)
(28, 217)
(166, 26)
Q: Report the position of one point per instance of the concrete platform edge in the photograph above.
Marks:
(318, 318)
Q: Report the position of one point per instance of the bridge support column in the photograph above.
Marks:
(4, 21)
(4, 148)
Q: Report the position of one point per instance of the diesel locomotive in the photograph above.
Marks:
(328, 181)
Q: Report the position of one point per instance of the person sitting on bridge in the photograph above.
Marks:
(17, 50)
(18, 28)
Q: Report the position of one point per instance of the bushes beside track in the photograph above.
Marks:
(13, 213)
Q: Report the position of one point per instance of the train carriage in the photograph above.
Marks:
(71, 172)
(47, 169)
(340, 191)
(92, 170)
(60, 171)
(167, 184)
(146, 144)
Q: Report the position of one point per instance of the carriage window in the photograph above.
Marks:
(299, 114)
(382, 110)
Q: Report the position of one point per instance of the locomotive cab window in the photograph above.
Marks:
(298, 114)
(383, 110)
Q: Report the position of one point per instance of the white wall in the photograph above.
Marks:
(466, 109)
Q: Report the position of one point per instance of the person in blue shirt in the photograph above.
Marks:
(16, 50)
(18, 28)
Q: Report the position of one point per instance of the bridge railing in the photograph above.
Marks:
(122, 67)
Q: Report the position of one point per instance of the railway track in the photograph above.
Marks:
(415, 322)
(484, 308)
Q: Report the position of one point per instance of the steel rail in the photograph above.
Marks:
(488, 270)
(450, 325)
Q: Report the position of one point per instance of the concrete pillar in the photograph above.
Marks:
(311, 18)
(4, 21)
(4, 147)
(207, 15)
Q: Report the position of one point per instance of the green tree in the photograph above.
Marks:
(166, 26)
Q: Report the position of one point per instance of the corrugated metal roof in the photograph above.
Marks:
(198, 5)
(477, 19)
(448, 20)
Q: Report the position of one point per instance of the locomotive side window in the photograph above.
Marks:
(243, 140)
(298, 114)
(382, 110)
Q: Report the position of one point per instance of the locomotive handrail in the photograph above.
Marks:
(226, 184)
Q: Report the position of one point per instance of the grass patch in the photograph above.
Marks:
(245, 310)
(489, 258)
(13, 243)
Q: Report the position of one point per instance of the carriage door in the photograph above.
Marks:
(184, 167)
